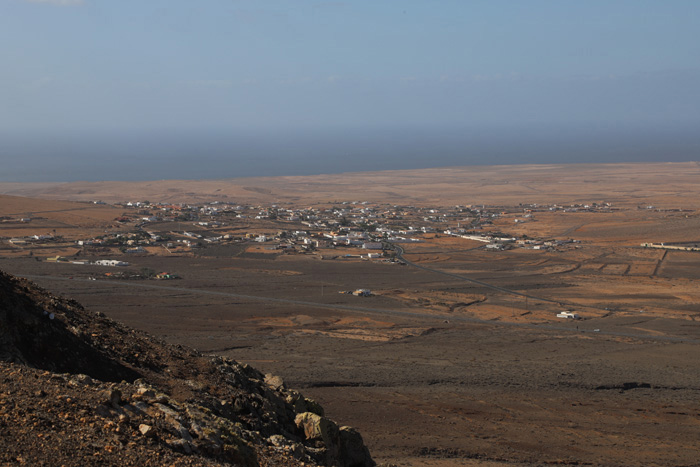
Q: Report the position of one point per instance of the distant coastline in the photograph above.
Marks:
(667, 184)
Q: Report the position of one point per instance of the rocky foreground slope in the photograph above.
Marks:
(77, 388)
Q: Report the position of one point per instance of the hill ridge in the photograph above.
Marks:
(81, 389)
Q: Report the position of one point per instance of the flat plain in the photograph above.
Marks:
(458, 357)
(651, 183)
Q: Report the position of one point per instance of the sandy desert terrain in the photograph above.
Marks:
(660, 184)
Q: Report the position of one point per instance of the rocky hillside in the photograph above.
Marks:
(77, 388)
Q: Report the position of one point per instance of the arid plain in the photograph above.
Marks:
(457, 357)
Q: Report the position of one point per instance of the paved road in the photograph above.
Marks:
(31, 213)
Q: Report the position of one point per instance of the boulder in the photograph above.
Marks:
(353, 452)
(275, 382)
(344, 446)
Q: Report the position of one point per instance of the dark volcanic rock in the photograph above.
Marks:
(41, 331)
(80, 389)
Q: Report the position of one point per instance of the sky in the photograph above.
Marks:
(310, 86)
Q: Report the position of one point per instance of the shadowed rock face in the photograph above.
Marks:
(161, 401)
(42, 331)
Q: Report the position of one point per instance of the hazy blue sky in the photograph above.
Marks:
(79, 75)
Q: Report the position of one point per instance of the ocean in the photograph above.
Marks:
(133, 155)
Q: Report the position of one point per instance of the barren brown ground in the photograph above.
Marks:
(660, 184)
(71, 218)
(440, 371)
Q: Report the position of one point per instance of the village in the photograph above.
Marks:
(344, 230)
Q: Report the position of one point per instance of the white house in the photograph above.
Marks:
(568, 315)
(110, 262)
